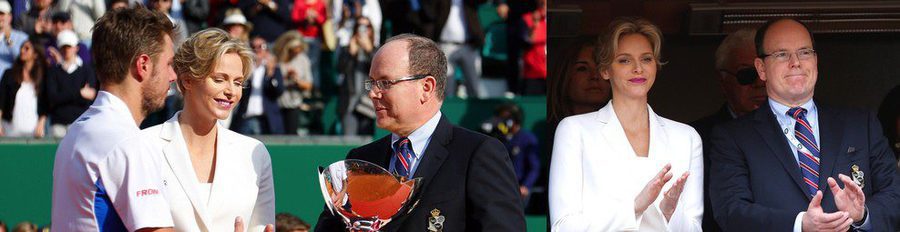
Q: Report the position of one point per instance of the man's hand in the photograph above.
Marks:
(817, 220)
(523, 191)
(38, 131)
(850, 199)
(670, 198)
(651, 190)
(239, 225)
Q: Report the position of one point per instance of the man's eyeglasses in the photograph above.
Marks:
(782, 56)
(386, 84)
(744, 76)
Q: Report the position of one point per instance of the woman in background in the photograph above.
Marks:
(289, 50)
(612, 170)
(215, 177)
(22, 106)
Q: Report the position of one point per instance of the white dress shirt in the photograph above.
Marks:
(595, 174)
(419, 139)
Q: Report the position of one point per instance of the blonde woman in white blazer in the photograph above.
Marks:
(624, 168)
(214, 179)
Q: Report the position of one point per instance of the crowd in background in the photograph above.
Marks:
(308, 53)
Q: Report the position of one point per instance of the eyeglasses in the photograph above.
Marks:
(782, 56)
(386, 84)
(744, 76)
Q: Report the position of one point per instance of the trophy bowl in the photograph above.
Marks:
(365, 195)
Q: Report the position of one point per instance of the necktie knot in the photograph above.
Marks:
(797, 112)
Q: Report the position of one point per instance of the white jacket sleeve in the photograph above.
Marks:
(264, 210)
(688, 214)
(568, 209)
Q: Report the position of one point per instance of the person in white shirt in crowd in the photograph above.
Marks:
(258, 112)
(214, 175)
(11, 40)
(22, 107)
(106, 177)
(71, 85)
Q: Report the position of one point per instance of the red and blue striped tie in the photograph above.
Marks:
(403, 151)
(808, 151)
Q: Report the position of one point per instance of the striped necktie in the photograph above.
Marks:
(403, 151)
(807, 151)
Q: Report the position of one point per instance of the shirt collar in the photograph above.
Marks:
(419, 137)
(106, 99)
(780, 111)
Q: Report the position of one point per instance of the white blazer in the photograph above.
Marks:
(595, 174)
(242, 185)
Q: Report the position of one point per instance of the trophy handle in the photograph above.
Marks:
(324, 188)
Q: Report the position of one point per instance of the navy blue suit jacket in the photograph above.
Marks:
(466, 175)
(755, 181)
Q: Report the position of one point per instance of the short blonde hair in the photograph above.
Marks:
(198, 56)
(620, 27)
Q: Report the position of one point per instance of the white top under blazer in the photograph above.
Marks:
(595, 174)
(242, 185)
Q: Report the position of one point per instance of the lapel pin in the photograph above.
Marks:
(436, 221)
(858, 176)
(851, 149)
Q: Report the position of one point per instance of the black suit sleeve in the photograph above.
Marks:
(492, 193)
(273, 85)
(730, 193)
(884, 203)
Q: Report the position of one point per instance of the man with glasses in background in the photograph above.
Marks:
(468, 182)
(796, 164)
(743, 91)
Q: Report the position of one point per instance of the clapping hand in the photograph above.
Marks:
(651, 190)
(670, 198)
(817, 220)
(850, 199)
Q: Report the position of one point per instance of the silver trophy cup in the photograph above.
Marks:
(365, 195)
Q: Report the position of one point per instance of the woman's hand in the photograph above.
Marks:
(651, 190)
(670, 198)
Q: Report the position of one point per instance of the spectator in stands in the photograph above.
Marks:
(309, 15)
(506, 125)
(236, 25)
(211, 69)
(258, 111)
(743, 91)
(35, 21)
(354, 107)
(25, 226)
(347, 10)
(289, 48)
(889, 115)
(460, 36)
(165, 6)
(22, 105)
(270, 18)
(71, 85)
(84, 13)
(535, 57)
(575, 85)
(61, 21)
(286, 222)
(11, 40)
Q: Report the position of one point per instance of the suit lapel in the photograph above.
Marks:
(831, 136)
(219, 189)
(176, 154)
(767, 127)
(658, 139)
(613, 133)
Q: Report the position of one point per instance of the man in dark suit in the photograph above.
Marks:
(467, 178)
(744, 92)
(795, 164)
